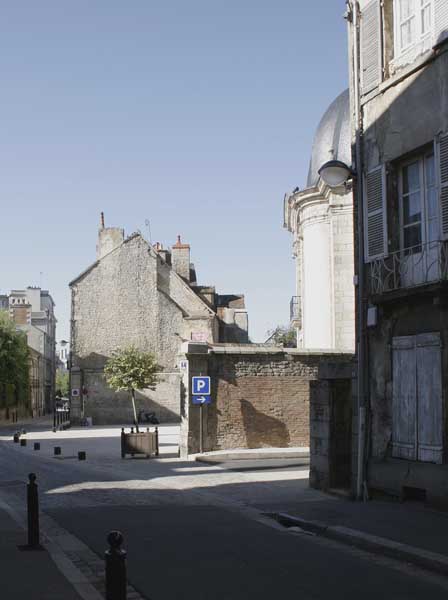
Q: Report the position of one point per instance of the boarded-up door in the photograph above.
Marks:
(417, 398)
(429, 394)
(404, 398)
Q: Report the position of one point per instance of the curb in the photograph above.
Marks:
(431, 561)
(218, 458)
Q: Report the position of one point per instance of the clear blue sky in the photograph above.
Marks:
(196, 115)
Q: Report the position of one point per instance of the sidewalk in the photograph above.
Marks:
(44, 422)
(28, 574)
(406, 531)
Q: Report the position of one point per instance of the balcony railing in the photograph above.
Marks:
(295, 311)
(408, 268)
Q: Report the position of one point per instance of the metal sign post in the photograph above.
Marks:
(201, 432)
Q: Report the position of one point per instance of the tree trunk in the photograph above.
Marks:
(135, 412)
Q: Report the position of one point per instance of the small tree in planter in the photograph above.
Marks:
(130, 369)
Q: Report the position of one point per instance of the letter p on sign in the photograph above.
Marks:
(200, 386)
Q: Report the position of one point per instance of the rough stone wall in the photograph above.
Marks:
(407, 115)
(260, 397)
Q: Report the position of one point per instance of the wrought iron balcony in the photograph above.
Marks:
(409, 268)
(295, 312)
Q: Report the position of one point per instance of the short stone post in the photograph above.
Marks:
(23, 441)
(115, 557)
(33, 512)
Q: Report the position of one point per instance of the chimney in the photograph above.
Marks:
(180, 259)
(109, 238)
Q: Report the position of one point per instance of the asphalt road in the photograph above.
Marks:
(194, 532)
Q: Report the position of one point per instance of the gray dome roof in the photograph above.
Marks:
(332, 139)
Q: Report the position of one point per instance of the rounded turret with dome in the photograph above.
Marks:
(321, 219)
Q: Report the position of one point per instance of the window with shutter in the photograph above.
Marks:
(442, 147)
(414, 29)
(375, 222)
(371, 51)
(440, 20)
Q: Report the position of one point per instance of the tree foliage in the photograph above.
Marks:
(130, 369)
(14, 363)
(283, 336)
(62, 381)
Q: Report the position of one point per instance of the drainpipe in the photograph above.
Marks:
(353, 18)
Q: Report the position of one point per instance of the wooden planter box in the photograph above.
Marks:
(144, 442)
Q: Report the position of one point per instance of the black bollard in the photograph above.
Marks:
(36, 445)
(81, 455)
(33, 512)
(23, 442)
(16, 437)
(115, 559)
(157, 441)
(57, 450)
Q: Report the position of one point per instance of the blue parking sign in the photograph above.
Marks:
(200, 386)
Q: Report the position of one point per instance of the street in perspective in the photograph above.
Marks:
(204, 418)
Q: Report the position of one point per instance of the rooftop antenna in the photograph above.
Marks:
(148, 225)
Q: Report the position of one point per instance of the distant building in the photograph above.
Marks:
(32, 309)
(62, 354)
(146, 296)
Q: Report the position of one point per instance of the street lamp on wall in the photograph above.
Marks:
(335, 173)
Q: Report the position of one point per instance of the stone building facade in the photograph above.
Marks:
(145, 296)
(321, 221)
(399, 106)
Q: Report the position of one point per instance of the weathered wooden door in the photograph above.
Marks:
(417, 398)
(404, 398)
(429, 396)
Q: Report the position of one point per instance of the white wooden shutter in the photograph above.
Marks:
(404, 398)
(440, 21)
(371, 53)
(375, 216)
(429, 398)
(442, 155)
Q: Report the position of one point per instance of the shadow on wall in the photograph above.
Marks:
(107, 407)
(262, 430)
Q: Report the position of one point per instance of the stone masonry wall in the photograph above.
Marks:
(260, 397)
